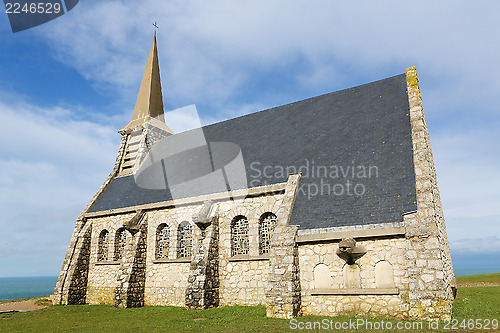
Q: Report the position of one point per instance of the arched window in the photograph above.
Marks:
(162, 241)
(120, 243)
(239, 235)
(102, 247)
(267, 222)
(185, 240)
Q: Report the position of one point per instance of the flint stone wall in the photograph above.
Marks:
(102, 278)
(243, 279)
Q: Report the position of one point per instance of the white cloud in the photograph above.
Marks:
(51, 165)
(213, 50)
(472, 226)
(487, 246)
(467, 163)
(183, 119)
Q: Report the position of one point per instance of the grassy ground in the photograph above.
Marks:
(484, 278)
(15, 300)
(471, 303)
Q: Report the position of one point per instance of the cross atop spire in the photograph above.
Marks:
(156, 27)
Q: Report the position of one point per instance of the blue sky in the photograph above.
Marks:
(67, 86)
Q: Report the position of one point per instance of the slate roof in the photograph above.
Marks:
(365, 126)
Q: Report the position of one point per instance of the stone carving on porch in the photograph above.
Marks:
(349, 251)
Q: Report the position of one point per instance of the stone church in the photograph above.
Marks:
(325, 206)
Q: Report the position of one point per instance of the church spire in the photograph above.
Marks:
(149, 104)
(148, 121)
(150, 101)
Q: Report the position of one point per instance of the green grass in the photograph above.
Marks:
(477, 302)
(471, 303)
(43, 301)
(489, 278)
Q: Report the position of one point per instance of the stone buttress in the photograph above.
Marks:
(283, 292)
(132, 273)
(203, 281)
(431, 277)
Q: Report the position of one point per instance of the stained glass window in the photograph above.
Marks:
(162, 241)
(120, 243)
(266, 227)
(239, 235)
(185, 240)
(102, 248)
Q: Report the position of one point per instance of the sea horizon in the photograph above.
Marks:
(26, 287)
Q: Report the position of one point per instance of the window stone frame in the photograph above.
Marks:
(240, 240)
(121, 239)
(103, 245)
(265, 248)
(185, 244)
(166, 242)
